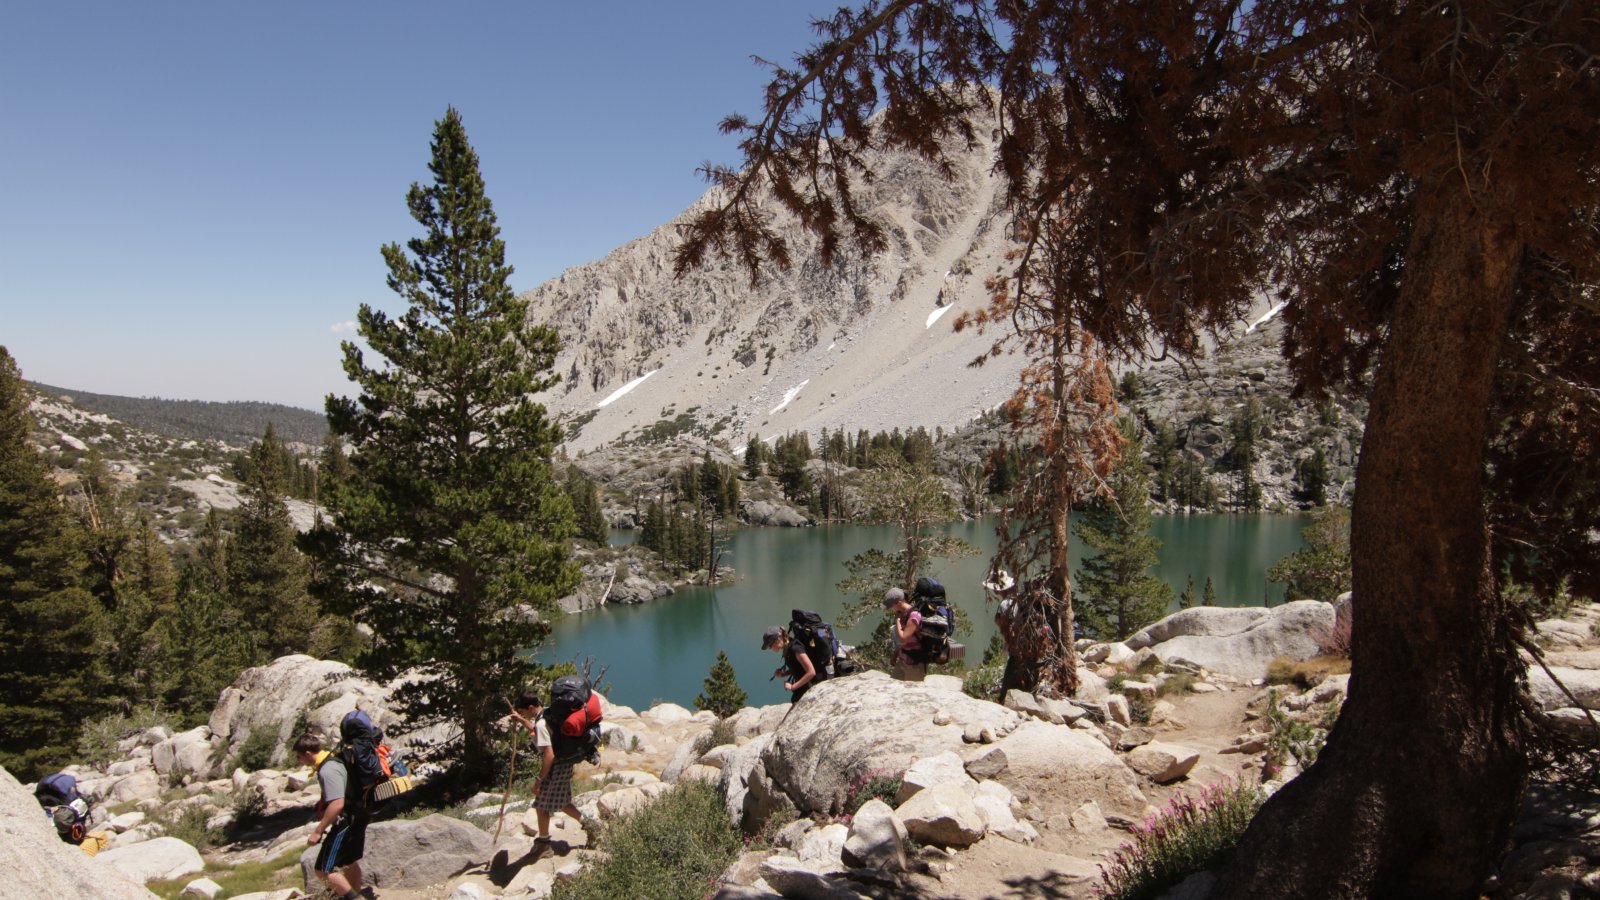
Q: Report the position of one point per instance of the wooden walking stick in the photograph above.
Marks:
(511, 773)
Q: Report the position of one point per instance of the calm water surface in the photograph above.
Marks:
(664, 650)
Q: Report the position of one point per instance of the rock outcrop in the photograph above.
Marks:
(846, 729)
(409, 854)
(273, 697)
(37, 863)
(1238, 641)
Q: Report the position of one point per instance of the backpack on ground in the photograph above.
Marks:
(574, 720)
(370, 765)
(67, 808)
(814, 636)
(938, 620)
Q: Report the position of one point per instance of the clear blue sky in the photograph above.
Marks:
(195, 192)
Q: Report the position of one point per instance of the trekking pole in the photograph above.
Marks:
(511, 773)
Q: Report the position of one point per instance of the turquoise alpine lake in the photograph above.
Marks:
(663, 650)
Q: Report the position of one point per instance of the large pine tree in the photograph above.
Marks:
(1117, 595)
(50, 676)
(451, 521)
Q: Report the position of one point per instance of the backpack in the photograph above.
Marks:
(370, 765)
(574, 719)
(67, 808)
(938, 620)
(808, 632)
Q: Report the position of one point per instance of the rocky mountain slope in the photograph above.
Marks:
(864, 343)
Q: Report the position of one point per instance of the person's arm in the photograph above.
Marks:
(905, 627)
(810, 672)
(329, 813)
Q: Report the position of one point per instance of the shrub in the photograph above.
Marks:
(97, 742)
(673, 849)
(249, 804)
(1290, 739)
(719, 734)
(1192, 834)
(255, 752)
(189, 826)
(984, 681)
(1176, 683)
(1305, 674)
(1335, 641)
(882, 784)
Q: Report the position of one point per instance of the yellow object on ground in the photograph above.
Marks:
(95, 841)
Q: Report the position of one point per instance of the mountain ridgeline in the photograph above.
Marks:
(238, 422)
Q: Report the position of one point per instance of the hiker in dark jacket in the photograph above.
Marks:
(342, 833)
(801, 672)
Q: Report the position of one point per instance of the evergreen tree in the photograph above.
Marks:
(146, 596)
(1322, 570)
(1187, 599)
(50, 669)
(207, 639)
(1117, 595)
(723, 695)
(1312, 475)
(268, 578)
(584, 495)
(1246, 428)
(754, 454)
(1210, 596)
(452, 517)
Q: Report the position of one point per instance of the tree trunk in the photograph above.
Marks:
(1415, 793)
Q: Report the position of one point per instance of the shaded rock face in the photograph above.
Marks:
(421, 853)
(845, 729)
(272, 697)
(1239, 642)
(34, 862)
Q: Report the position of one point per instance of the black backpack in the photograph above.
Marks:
(358, 750)
(573, 717)
(938, 620)
(815, 637)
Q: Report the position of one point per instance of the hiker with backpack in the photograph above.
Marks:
(558, 750)
(907, 625)
(800, 671)
(341, 827)
(68, 809)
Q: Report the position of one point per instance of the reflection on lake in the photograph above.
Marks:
(663, 650)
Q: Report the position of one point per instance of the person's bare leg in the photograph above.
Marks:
(544, 822)
(352, 874)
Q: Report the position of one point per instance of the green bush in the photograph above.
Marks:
(719, 734)
(1192, 834)
(97, 742)
(673, 849)
(189, 826)
(255, 752)
(880, 784)
(984, 681)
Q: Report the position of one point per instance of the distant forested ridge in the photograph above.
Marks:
(239, 422)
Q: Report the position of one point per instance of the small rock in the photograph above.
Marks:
(988, 764)
(1203, 687)
(204, 888)
(944, 815)
(1117, 708)
(468, 891)
(1161, 762)
(1135, 737)
(1139, 689)
(941, 717)
(877, 839)
(1088, 818)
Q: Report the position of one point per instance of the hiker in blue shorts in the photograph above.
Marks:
(342, 833)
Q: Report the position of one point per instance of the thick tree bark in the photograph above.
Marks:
(1417, 788)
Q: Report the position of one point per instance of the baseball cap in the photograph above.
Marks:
(770, 636)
